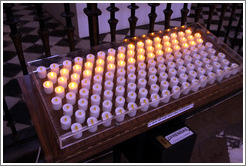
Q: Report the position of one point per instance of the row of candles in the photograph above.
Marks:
(166, 57)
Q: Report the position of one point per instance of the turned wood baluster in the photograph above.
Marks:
(93, 12)
(184, 13)
(152, 16)
(132, 19)
(15, 35)
(222, 14)
(112, 21)
(43, 30)
(211, 12)
(237, 30)
(198, 10)
(230, 21)
(69, 27)
(168, 12)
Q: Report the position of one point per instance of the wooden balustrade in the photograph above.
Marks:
(112, 21)
(152, 16)
(210, 15)
(234, 6)
(132, 19)
(168, 12)
(184, 12)
(222, 14)
(198, 10)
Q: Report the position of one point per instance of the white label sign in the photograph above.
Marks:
(178, 135)
(170, 115)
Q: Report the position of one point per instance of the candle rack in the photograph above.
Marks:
(66, 139)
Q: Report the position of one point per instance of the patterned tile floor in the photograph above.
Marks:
(33, 48)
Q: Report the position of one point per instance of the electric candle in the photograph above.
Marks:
(140, 58)
(160, 60)
(64, 72)
(130, 53)
(86, 83)
(190, 38)
(92, 121)
(122, 49)
(152, 79)
(150, 56)
(131, 69)
(181, 34)
(234, 67)
(110, 68)
(120, 81)
(87, 74)
(60, 92)
(78, 61)
(158, 47)
(119, 101)
(67, 64)
(192, 75)
(62, 81)
(67, 109)
(159, 53)
(107, 106)
(77, 69)
(174, 81)
(41, 72)
(211, 52)
(83, 104)
(120, 57)
(186, 52)
(195, 85)
(131, 97)
(142, 74)
(140, 44)
(200, 71)
(216, 66)
(84, 93)
(185, 88)
(200, 48)
(142, 93)
(90, 58)
(203, 81)
(198, 64)
(130, 47)
(65, 122)
(109, 76)
(132, 106)
(166, 96)
(221, 56)
(193, 50)
(52, 76)
(56, 103)
(211, 77)
(208, 68)
(111, 52)
(151, 63)
(182, 40)
(101, 55)
(119, 91)
(110, 59)
(170, 65)
(119, 112)
(94, 111)
(154, 88)
(173, 36)
(165, 38)
(196, 57)
(176, 48)
(76, 127)
(73, 87)
(157, 40)
(208, 45)
(168, 50)
(97, 89)
(95, 99)
(100, 63)
(121, 64)
(152, 71)
(181, 69)
(169, 58)
(197, 35)
(177, 55)
(183, 78)
(48, 87)
(88, 66)
(131, 78)
(80, 116)
(108, 95)
(199, 42)
(131, 87)
(227, 71)
(188, 32)
(148, 42)
(190, 67)
(175, 42)
(97, 79)
(163, 76)
(54, 67)
(144, 101)
(213, 59)
(105, 117)
(161, 68)
(205, 61)
(99, 70)
(220, 75)
(75, 78)
(142, 83)
(184, 46)
(131, 61)
(121, 73)
(71, 98)
(179, 62)
(224, 63)
(149, 49)
(172, 73)
(141, 66)
(154, 97)
(176, 92)
(203, 54)
(108, 85)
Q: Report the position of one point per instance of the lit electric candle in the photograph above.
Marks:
(62, 81)
(105, 117)
(86, 83)
(131, 87)
(92, 121)
(64, 72)
(140, 44)
(87, 74)
(95, 99)
(181, 34)
(173, 36)
(77, 69)
(159, 53)
(130, 53)
(203, 81)
(154, 99)
(150, 49)
(148, 42)
(71, 98)
(121, 64)
(144, 102)
(152, 71)
(107, 106)
(90, 58)
(167, 44)
(200, 71)
(94, 111)
(163, 76)
(84, 93)
(100, 63)
(140, 51)
(110, 60)
(80, 116)
(67, 109)
(161, 68)
(154, 88)
(174, 81)
(142, 74)
(181, 69)
(119, 112)
(88, 66)
(142, 93)
(192, 75)
(185, 88)
(48, 87)
(176, 48)
(131, 61)
(99, 70)
(52, 76)
(121, 73)
(151, 63)
(73, 87)
(132, 106)
(60, 92)
(97, 89)
(56, 103)
(158, 47)
(199, 42)
(108, 95)
(175, 42)
(141, 66)
(131, 97)
(131, 78)
(65, 122)
(83, 104)
(192, 43)
(165, 38)
(168, 50)
(165, 95)
(152, 79)
(140, 58)
(157, 40)
(188, 32)
(130, 47)
(111, 67)
(183, 78)
(108, 85)
(182, 40)
(120, 81)
(176, 92)
(75, 78)
(54, 67)
(120, 57)
(185, 46)
(197, 35)
(119, 101)
(41, 72)
(122, 49)
(150, 56)
(141, 83)
(78, 61)
(111, 52)
(67, 64)
(97, 79)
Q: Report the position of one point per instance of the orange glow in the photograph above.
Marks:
(59, 89)
(75, 75)
(64, 71)
(176, 28)
(88, 64)
(199, 41)
(166, 37)
(135, 37)
(72, 85)
(125, 40)
(188, 31)
(174, 35)
(140, 43)
(77, 67)
(158, 46)
(52, 74)
(144, 35)
(87, 72)
(131, 46)
(121, 63)
(185, 45)
(141, 57)
(190, 37)
(152, 33)
(48, 83)
(132, 60)
(177, 47)
(192, 43)
(183, 26)
(148, 41)
(169, 49)
(120, 55)
(197, 35)
(99, 69)
(175, 41)
(111, 66)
